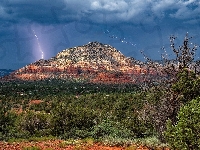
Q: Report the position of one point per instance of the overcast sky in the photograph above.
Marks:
(35, 29)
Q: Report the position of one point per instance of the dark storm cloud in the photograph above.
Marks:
(26, 10)
(62, 11)
(66, 23)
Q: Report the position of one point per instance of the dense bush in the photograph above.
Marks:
(83, 110)
(187, 86)
(163, 103)
(76, 113)
(157, 109)
(108, 128)
(72, 121)
(33, 123)
(186, 133)
(7, 120)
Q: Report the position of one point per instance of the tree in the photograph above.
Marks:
(184, 54)
(187, 86)
(7, 119)
(178, 85)
(167, 72)
(186, 133)
(72, 121)
(34, 123)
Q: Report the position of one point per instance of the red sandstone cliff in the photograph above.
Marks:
(95, 62)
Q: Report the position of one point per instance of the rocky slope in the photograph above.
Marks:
(94, 62)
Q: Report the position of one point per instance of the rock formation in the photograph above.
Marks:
(94, 62)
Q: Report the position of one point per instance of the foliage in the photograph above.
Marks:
(157, 109)
(7, 119)
(18, 90)
(110, 128)
(150, 142)
(72, 122)
(179, 85)
(113, 113)
(187, 86)
(34, 123)
(72, 114)
(185, 134)
(163, 104)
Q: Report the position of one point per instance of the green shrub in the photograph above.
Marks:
(187, 86)
(163, 104)
(34, 123)
(137, 126)
(72, 121)
(150, 142)
(108, 128)
(186, 133)
(7, 119)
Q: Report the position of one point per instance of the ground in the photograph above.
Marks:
(60, 145)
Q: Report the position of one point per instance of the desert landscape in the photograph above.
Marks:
(93, 97)
(99, 75)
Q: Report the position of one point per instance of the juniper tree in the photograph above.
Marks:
(163, 100)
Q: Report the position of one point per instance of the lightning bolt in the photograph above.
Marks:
(39, 46)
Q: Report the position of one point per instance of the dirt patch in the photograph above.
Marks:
(57, 145)
(35, 102)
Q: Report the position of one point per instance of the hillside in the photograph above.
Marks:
(94, 62)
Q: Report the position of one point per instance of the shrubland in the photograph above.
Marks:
(89, 110)
(165, 112)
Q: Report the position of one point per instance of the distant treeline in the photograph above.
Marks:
(4, 72)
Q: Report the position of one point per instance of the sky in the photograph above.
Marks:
(32, 30)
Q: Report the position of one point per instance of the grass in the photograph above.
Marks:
(32, 148)
(131, 147)
(37, 139)
(68, 142)
(150, 142)
(88, 141)
(132, 144)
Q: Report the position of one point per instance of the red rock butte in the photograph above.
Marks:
(94, 62)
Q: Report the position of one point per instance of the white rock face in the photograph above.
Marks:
(94, 52)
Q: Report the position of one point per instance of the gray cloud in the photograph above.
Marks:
(50, 11)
